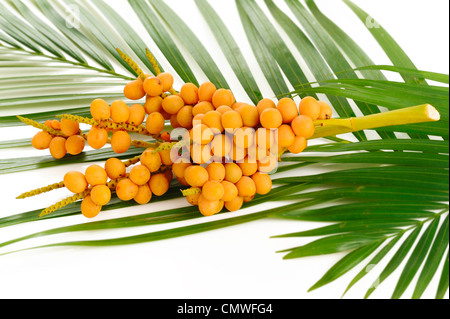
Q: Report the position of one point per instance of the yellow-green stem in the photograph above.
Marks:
(409, 115)
(108, 124)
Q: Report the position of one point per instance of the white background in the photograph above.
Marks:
(234, 262)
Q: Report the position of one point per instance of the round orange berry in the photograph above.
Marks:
(120, 111)
(69, 127)
(153, 86)
(136, 115)
(100, 110)
(120, 141)
(134, 90)
(288, 109)
(154, 123)
(75, 144)
(271, 118)
(41, 140)
(303, 126)
(222, 97)
(97, 137)
(172, 104)
(310, 107)
(189, 93)
(57, 147)
(206, 91)
(166, 80)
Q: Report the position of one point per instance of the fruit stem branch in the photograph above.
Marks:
(64, 202)
(40, 126)
(408, 115)
(132, 64)
(107, 124)
(41, 190)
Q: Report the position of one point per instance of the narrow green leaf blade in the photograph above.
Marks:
(73, 34)
(53, 36)
(416, 259)
(443, 282)
(163, 40)
(385, 40)
(373, 211)
(433, 259)
(354, 226)
(335, 243)
(29, 35)
(374, 261)
(266, 61)
(230, 50)
(313, 58)
(399, 158)
(395, 260)
(418, 145)
(274, 43)
(433, 76)
(347, 263)
(102, 33)
(191, 42)
(350, 48)
(128, 34)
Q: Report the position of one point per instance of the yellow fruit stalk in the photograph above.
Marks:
(409, 115)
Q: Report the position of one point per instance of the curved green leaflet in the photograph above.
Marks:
(416, 259)
(331, 53)
(435, 254)
(128, 34)
(59, 41)
(191, 42)
(230, 50)
(274, 43)
(389, 45)
(350, 48)
(163, 40)
(32, 38)
(443, 282)
(350, 261)
(266, 61)
(73, 34)
(316, 63)
(433, 76)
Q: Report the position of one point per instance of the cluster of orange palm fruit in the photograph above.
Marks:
(228, 152)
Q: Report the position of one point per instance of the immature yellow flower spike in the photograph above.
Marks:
(40, 126)
(155, 66)
(131, 63)
(132, 161)
(41, 190)
(64, 202)
(191, 191)
(165, 147)
(153, 62)
(79, 119)
(140, 129)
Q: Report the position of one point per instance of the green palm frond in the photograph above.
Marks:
(376, 197)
